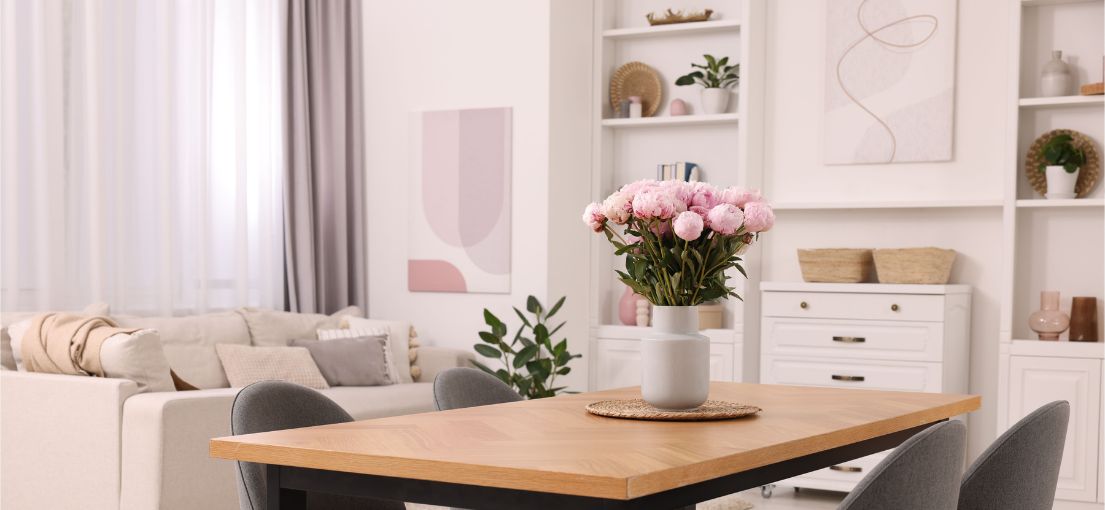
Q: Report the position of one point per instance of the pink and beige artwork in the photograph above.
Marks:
(459, 239)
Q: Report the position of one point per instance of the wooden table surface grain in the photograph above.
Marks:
(554, 445)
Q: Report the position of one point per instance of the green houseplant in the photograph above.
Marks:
(530, 359)
(1060, 160)
(717, 76)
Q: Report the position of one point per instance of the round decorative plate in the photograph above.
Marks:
(638, 409)
(1087, 175)
(636, 79)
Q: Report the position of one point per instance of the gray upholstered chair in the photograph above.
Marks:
(920, 474)
(275, 405)
(1020, 470)
(467, 387)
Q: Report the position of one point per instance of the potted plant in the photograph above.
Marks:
(716, 78)
(679, 239)
(1061, 162)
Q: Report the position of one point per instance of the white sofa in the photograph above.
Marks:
(95, 443)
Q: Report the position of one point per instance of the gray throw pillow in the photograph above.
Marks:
(358, 361)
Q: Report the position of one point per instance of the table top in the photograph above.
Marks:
(555, 445)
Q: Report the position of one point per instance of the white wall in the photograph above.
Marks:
(794, 172)
(430, 55)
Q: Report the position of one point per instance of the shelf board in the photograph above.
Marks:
(620, 332)
(942, 204)
(866, 288)
(1037, 3)
(681, 120)
(1040, 102)
(701, 27)
(1058, 349)
(1066, 202)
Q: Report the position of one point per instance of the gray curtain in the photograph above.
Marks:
(324, 207)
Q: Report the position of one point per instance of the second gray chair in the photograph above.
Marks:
(467, 387)
(1020, 470)
(920, 474)
(276, 405)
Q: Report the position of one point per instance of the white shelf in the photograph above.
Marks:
(1066, 202)
(866, 288)
(620, 332)
(942, 204)
(700, 27)
(1037, 3)
(1057, 349)
(1040, 102)
(681, 120)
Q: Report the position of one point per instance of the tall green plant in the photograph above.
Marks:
(530, 360)
(716, 74)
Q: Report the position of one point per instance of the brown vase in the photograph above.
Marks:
(1083, 319)
(1049, 321)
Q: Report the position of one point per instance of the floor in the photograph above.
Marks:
(783, 498)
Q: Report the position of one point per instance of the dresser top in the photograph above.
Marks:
(865, 288)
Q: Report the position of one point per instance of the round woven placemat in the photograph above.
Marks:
(1087, 175)
(636, 79)
(638, 409)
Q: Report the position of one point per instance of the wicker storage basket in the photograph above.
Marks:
(914, 265)
(835, 265)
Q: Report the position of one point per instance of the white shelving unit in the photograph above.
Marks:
(906, 204)
(725, 146)
(1053, 244)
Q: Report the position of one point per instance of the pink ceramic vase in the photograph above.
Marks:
(627, 308)
(1049, 321)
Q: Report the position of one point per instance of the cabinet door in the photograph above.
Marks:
(618, 363)
(1035, 381)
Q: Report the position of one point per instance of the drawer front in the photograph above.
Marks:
(871, 375)
(839, 305)
(841, 477)
(876, 340)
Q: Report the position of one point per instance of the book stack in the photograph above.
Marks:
(680, 171)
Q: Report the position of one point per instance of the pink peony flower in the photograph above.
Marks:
(758, 217)
(618, 207)
(700, 210)
(593, 216)
(725, 219)
(635, 187)
(656, 203)
(688, 226)
(705, 196)
(682, 191)
(739, 196)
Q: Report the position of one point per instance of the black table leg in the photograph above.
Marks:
(280, 498)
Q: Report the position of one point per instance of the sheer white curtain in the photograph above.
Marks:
(141, 161)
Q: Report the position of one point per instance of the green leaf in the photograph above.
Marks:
(561, 346)
(557, 328)
(490, 318)
(526, 341)
(533, 305)
(483, 367)
(524, 355)
(489, 338)
(555, 308)
(540, 333)
(488, 351)
(710, 61)
(523, 317)
(563, 371)
(499, 330)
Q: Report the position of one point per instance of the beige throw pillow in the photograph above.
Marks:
(398, 339)
(273, 328)
(246, 365)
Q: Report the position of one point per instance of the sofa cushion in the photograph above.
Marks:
(272, 328)
(366, 402)
(357, 361)
(190, 341)
(398, 339)
(8, 318)
(245, 365)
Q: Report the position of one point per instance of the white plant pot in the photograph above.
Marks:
(715, 100)
(1060, 183)
(675, 360)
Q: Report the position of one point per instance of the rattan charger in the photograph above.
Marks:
(638, 409)
(1087, 174)
(636, 79)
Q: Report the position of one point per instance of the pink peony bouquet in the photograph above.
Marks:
(679, 237)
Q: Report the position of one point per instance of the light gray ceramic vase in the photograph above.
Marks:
(675, 360)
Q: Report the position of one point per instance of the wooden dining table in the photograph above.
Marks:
(551, 453)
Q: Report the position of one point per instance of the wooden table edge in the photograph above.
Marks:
(569, 483)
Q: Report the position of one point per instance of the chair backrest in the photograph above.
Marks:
(467, 387)
(1020, 470)
(920, 474)
(275, 405)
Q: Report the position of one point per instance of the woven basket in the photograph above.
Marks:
(835, 265)
(914, 265)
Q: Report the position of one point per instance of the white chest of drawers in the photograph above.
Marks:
(868, 336)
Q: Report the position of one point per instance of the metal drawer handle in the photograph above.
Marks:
(847, 469)
(856, 378)
(849, 339)
(803, 305)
